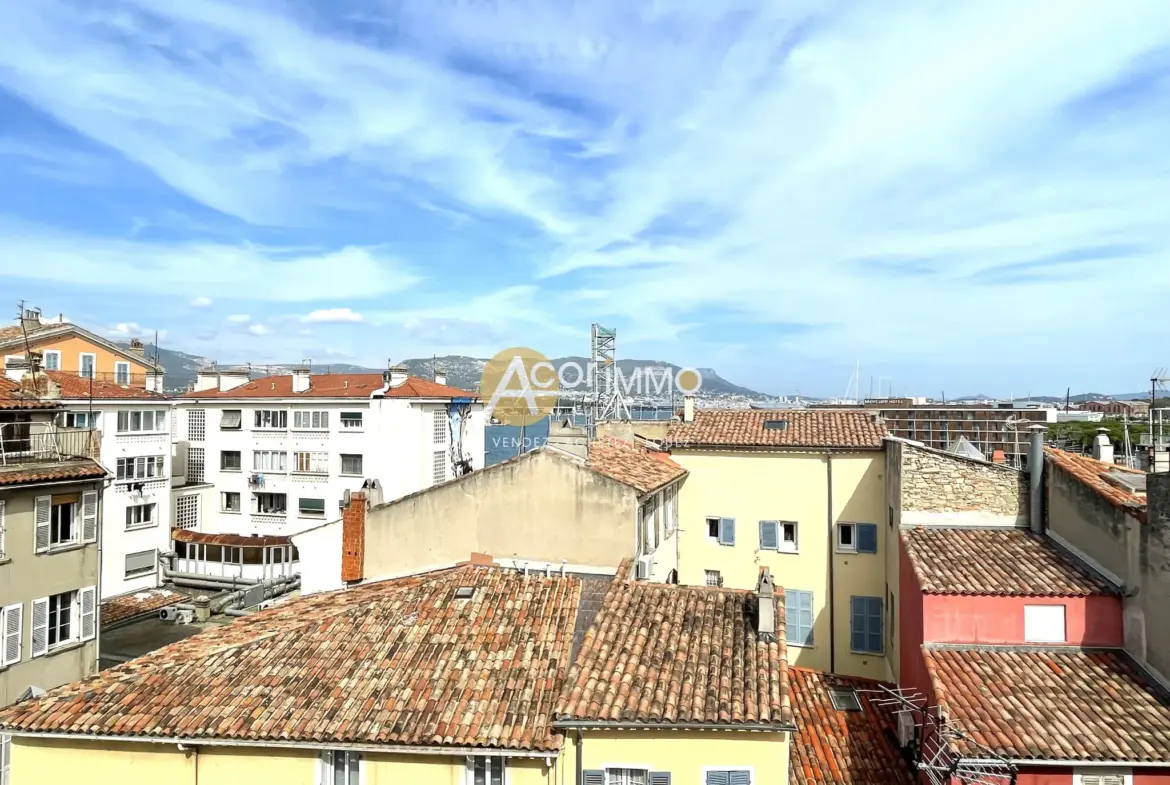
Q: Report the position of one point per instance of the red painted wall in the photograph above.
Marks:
(1151, 776)
(1089, 621)
(912, 669)
(1061, 775)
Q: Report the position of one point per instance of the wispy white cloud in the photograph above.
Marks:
(201, 302)
(239, 318)
(124, 330)
(257, 329)
(328, 315)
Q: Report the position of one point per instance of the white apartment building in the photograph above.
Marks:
(135, 444)
(274, 456)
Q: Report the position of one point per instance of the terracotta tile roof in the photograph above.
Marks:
(1046, 704)
(10, 333)
(633, 465)
(127, 606)
(72, 386)
(28, 473)
(1090, 471)
(998, 562)
(188, 535)
(398, 662)
(660, 655)
(847, 429)
(335, 385)
(832, 747)
(11, 397)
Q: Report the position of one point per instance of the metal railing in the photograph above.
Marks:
(124, 379)
(38, 442)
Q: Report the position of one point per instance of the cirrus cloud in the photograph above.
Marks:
(332, 315)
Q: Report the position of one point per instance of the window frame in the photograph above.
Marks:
(239, 467)
(795, 537)
(327, 766)
(239, 426)
(147, 524)
(152, 570)
(610, 768)
(92, 366)
(313, 513)
(469, 769)
(1080, 772)
(74, 525)
(275, 415)
(881, 620)
(751, 772)
(256, 459)
(707, 578)
(349, 425)
(256, 502)
(124, 421)
(842, 547)
(316, 458)
(130, 463)
(798, 594)
(56, 354)
(119, 365)
(308, 415)
(361, 468)
(223, 502)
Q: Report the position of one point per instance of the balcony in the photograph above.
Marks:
(39, 442)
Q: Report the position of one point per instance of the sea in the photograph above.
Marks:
(508, 441)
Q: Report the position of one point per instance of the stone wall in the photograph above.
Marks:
(937, 487)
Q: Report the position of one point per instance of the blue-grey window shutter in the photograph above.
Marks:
(806, 616)
(875, 638)
(867, 538)
(727, 531)
(718, 778)
(660, 778)
(857, 609)
(792, 616)
(740, 778)
(593, 777)
(769, 536)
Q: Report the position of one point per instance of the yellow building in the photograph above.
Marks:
(804, 494)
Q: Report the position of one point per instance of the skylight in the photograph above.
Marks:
(845, 700)
(775, 425)
(464, 592)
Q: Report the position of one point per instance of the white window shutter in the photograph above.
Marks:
(89, 516)
(13, 623)
(44, 510)
(88, 603)
(40, 627)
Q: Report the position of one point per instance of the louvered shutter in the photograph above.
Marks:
(593, 777)
(2, 551)
(89, 516)
(40, 627)
(1092, 779)
(740, 778)
(769, 536)
(44, 510)
(660, 778)
(874, 637)
(88, 613)
(727, 531)
(1111, 779)
(857, 610)
(718, 778)
(867, 538)
(13, 626)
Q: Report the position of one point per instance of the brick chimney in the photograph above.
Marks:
(137, 348)
(353, 538)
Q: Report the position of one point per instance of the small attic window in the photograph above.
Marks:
(775, 425)
(464, 592)
(845, 700)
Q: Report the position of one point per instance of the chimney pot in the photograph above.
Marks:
(396, 375)
(1103, 446)
(688, 408)
(440, 375)
(300, 380)
(1036, 478)
(766, 604)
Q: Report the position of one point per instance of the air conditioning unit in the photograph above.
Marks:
(643, 567)
(177, 615)
(906, 728)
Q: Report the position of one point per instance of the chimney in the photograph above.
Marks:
(688, 408)
(233, 378)
(766, 621)
(396, 375)
(137, 348)
(1103, 446)
(353, 537)
(15, 367)
(998, 456)
(1036, 478)
(30, 319)
(206, 378)
(440, 375)
(300, 380)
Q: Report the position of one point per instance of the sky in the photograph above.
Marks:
(950, 197)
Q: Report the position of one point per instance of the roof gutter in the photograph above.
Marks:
(653, 726)
(1105, 764)
(806, 448)
(405, 749)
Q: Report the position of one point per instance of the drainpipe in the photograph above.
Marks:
(580, 753)
(832, 559)
(1036, 478)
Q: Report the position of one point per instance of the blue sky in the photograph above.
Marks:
(961, 196)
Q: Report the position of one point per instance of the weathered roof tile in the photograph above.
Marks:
(633, 465)
(823, 428)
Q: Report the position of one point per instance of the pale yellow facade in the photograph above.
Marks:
(754, 486)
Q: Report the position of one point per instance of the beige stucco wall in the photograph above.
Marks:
(789, 486)
(685, 754)
(26, 576)
(541, 507)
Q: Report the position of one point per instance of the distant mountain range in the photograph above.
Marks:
(1080, 398)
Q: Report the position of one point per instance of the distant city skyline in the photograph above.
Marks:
(966, 197)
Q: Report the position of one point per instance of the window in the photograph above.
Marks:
(270, 503)
(11, 623)
(196, 425)
(269, 461)
(85, 364)
(798, 617)
(865, 628)
(312, 508)
(626, 777)
(77, 419)
(187, 512)
(351, 464)
(230, 461)
(1102, 776)
(52, 360)
(62, 619)
(845, 700)
(778, 536)
(229, 501)
(485, 771)
(195, 465)
(62, 530)
(351, 421)
(140, 515)
(713, 577)
(122, 373)
(145, 468)
(271, 418)
(728, 777)
(339, 767)
(439, 467)
(230, 420)
(311, 421)
(1044, 624)
(440, 426)
(788, 536)
(311, 462)
(722, 530)
(141, 563)
(135, 421)
(670, 510)
(846, 538)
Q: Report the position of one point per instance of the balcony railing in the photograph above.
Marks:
(42, 443)
(124, 379)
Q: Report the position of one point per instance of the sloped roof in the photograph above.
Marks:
(803, 428)
(833, 747)
(662, 655)
(32, 473)
(1091, 473)
(1052, 704)
(334, 385)
(11, 397)
(10, 335)
(997, 562)
(128, 606)
(633, 465)
(398, 662)
(208, 538)
(72, 386)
